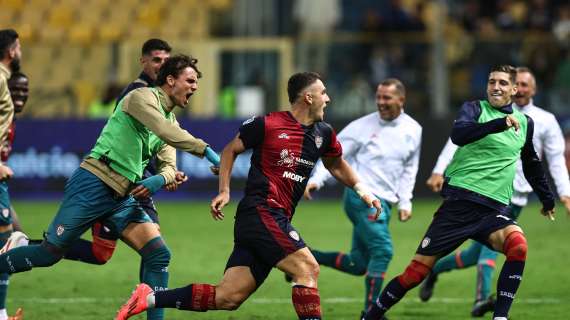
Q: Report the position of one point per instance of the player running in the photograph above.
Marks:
(548, 141)
(492, 135)
(286, 145)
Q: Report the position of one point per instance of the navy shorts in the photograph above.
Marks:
(458, 220)
(262, 237)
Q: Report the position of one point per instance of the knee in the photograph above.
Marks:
(414, 274)
(515, 246)
(156, 257)
(307, 273)
(103, 249)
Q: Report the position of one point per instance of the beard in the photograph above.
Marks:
(15, 65)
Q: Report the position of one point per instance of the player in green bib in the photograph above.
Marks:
(109, 180)
(492, 136)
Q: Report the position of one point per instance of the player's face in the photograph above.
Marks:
(500, 89)
(526, 88)
(19, 92)
(318, 98)
(389, 102)
(183, 87)
(152, 62)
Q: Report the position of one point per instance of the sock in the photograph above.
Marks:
(515, 248)
(485, 271)
(307, 302)
(195, 297)
(156, 258)
(340, 261)
(4, 277)
(24, 258)
(82, 250)
(372, 287)
(458, 260)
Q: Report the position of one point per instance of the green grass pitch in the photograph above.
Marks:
(200, 247)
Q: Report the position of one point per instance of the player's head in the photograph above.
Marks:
(526, 86)
(501, 85)
(307, 88)
(390, 98)
(10, 51)
(18, 85)
(178, 77)
(154, 53)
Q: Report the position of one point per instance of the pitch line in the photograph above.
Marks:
(334, 300)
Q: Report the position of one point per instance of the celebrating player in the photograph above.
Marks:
(286, 146)
(492, 135)
(384, 150)
(109, 179)
(547, 140)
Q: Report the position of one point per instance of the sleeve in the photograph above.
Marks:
(408, 178)
(334, 149)
(466, 129)
(445, 157)
(142, 106)
(166, 162)
(320, 175)
(252, 132)
(132, 86)
(554, 148)
(533, 170)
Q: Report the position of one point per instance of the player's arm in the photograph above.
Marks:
(435, 181)
(466, 129)
(140, 104)
(229, 155)
(341, 170)
(554, 148)
(407, 183)
(166, 163)
(534, 172)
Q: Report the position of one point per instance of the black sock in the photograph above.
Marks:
(174, 298)
(392, 293)
(507, 285)
(82, 250)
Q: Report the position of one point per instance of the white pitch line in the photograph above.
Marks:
(335, 300)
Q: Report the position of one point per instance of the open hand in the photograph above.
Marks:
(217, 204)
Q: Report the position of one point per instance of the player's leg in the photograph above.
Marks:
(356, 261)
(150, 209)
(5, 232)
(86, 199)
(98, 251)
(511, 241)
(484, 301)
(458, 260)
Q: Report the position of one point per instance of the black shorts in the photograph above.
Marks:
(458, 220)
(262, 237)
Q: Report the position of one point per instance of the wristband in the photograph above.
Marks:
(154, 183)
(361, 189)
(212, 156)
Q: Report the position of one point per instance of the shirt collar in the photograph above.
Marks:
(165, 100)
(393, 123)
(146, 78)
(525, 107)
(4, 70)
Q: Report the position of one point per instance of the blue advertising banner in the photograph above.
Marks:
(46, 152)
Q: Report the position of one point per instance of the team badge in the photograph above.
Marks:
(60, 229)
(5, 212)
(293, 234)
(425, 242)
(318, 141)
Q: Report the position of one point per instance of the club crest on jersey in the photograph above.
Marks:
(59, 231)
(425, 242)
(283, 136)
(318, 141)
(294, 235)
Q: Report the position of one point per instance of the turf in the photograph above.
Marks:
(200, 247)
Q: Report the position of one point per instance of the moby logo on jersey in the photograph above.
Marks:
(294, 177)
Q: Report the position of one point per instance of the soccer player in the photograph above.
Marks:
(384, 150)
(548, 141)
(492, 135)
(286, 145)
(110, 178)
(10, 55)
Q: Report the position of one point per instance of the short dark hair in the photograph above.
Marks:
(512, 71)
(155, 44)
(298, 82)
(173, 66)
(7, 39)
(400, 88)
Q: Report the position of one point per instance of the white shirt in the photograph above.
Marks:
(384, 154)
(547, 140)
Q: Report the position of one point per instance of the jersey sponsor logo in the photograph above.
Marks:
(294, 177)
(288, 159)
(294, 235)
(425, 242)
(59, 230)
(5, 212)
(318, 141)
(283, 136)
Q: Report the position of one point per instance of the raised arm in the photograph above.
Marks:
(466, 129)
